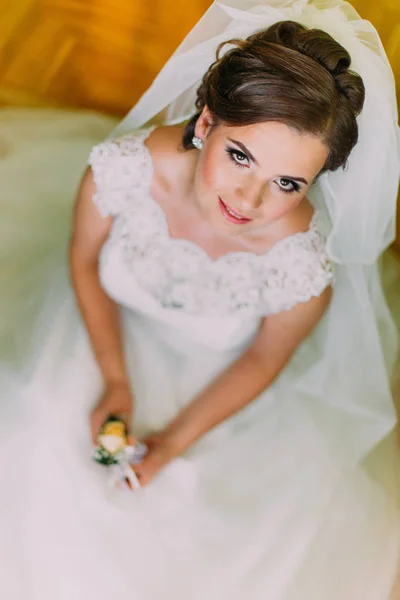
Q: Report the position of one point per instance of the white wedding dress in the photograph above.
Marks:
(265, 506)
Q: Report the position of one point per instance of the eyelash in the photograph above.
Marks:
(232, 153)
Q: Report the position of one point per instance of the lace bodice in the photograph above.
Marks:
(178, 273)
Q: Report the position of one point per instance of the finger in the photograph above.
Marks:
(142, 477)
(132, 480)
(131, 440)
(137, 473)
(97, 420)
(139, 469)
(126, 419)
(145, 470)
(151, 440)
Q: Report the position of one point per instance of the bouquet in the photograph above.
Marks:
(114, 452)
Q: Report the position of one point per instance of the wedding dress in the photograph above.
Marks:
(273, 503)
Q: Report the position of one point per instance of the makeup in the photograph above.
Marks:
(231, 215)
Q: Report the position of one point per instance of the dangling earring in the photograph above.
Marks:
(197, 142)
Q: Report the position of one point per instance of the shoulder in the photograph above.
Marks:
(125, 145)
(298, 221)
(299, 269)
(309, 270)
(119, 165)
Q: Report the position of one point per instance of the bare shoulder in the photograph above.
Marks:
(164, 142)
(299, 220)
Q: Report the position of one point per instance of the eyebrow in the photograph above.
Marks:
(245, 150)
(250, 155)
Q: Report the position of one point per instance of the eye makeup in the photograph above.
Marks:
(240, 159)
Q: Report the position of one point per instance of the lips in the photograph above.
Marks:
(231, 215)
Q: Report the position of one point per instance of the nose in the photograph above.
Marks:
(249, 193)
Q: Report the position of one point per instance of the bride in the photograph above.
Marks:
(224, 300)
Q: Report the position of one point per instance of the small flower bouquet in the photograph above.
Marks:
(114, 451)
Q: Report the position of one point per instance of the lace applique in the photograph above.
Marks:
(120, 171)
(178, 273)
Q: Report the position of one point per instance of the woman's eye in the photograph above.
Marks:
(238, 157)
(287, 185)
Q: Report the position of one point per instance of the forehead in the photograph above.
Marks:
(279, 148)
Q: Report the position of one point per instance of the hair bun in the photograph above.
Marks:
(320, 46)
(351, 86)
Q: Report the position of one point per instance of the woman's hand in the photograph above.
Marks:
(116, 400)
(161, 450)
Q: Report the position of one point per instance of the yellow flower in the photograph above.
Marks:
(116, 428)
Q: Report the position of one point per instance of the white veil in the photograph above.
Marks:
(348, 370)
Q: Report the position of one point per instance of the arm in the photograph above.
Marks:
(275, 343)
(99, 312)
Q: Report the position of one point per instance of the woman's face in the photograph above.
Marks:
(248, 177)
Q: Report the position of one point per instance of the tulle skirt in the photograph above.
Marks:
(258, 508)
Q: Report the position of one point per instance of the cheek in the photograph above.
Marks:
(280, 205)
(211, 174)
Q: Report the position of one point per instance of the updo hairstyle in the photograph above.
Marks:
(290, 74)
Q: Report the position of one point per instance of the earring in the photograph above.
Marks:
(197, 142)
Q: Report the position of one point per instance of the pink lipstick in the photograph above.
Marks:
(231, 215)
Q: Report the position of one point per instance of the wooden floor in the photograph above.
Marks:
(100, 54)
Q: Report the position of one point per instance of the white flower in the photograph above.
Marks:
(111, 443)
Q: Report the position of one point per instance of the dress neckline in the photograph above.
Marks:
(194, 247)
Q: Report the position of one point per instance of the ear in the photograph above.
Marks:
(204, 123)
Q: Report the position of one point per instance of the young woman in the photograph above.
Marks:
(224, 264)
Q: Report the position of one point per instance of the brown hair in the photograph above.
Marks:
(290, 74)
